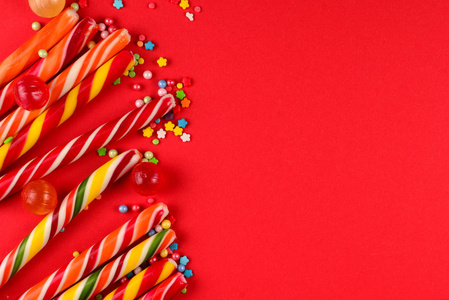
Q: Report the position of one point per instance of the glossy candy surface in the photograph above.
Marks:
(47, 8)
(147, 178)
(39, 197)
(30, 92)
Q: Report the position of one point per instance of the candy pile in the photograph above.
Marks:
(48, 88)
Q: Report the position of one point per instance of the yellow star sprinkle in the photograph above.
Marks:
(148, 132)
(169, 126)
(177, 131)
(184, 4)
(162, 62)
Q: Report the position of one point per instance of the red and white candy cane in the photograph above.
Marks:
(67, 153)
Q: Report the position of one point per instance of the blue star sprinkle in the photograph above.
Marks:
(188, 273)
(184, 260)
(149, 45)
(173, 247)
(182, 123)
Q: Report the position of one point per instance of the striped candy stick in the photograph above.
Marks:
(45, 38)
(67, 153)
(66, 80)
(168, 289)
(98, 254)
(144, 281)
(58, 57)
(122, 265)
(60, 111)
(70, 207)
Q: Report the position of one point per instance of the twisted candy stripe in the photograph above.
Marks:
(144, 281)
(60, 111)
(91, 141)
(66, 80)
(168, 289)
(45, 38)
(58, 57)
(98, 254)
(75, 202)
(122, 265)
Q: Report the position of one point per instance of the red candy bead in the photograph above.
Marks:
(170, 82)
(112, 28)
(171, 219)
(137, 87)
(39, 197)
(153, 125)
(30, 92)
(108, 21)
(150, 200)
(147, 178)
(153, 259)
(124, 280)
(176, 255)
(135, 207)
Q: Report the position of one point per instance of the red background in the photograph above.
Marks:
(319, 155)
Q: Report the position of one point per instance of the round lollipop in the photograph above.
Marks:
(147, 178)
(30, 92)
(47, 8)
(39, 197)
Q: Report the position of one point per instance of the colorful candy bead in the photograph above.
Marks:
(135, 208)
(137, 87)
(139, 103)
(36, 26)
(147, 74)
(104, 34)
(123, 209)
(112, 153)
(181, 268)
(158, 228)
(166, 224)
(108, 21)
(42, 53)
(162, 84)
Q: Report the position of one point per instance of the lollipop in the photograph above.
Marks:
(147, 178)
(47, 8)
(39, 197)
(30, 92)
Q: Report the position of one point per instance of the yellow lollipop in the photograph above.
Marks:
(47, 8)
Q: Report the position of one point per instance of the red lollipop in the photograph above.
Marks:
(147, 178)
(30, 92)
(39, 197)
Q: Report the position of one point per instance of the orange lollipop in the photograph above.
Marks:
(47, 8)
(39, 197)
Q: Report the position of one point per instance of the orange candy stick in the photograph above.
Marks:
(46, 38)
(67, 80)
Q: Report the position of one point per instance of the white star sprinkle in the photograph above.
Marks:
(185, 137)
(161, 133)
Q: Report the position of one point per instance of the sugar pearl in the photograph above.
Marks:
(147, 74)
(104, 34)
(139, 103)
(162, 92)
(102, 27)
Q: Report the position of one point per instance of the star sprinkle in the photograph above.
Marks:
(177, 131)
(184, 260)
(148, 132)
(185, 103)
(182, 123)
(82, 3)
(180, 94)
(173, 246)
(116, 82)
(188, 273)
(169, 126)
(154, 160)
(184, 4)
(102, 151)
(149, 45)
(161, 133)
(162, 62)
(185, 137)
(157, 121)
(118, 4)
(186, 81)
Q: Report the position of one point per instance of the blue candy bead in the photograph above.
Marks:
(152, 232)
(181, 268)
(162, 84)
(123, 209)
